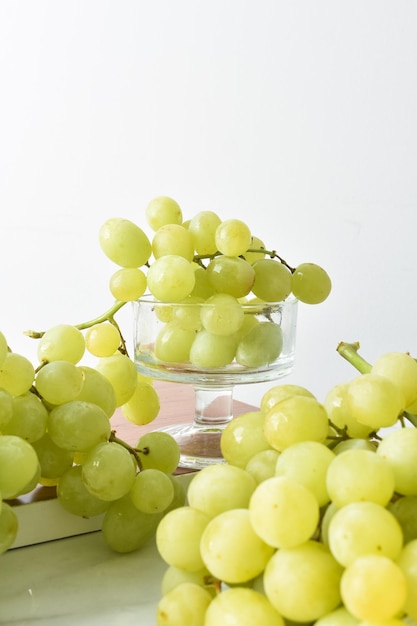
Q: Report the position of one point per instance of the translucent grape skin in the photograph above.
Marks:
(61, 343)
(158, 450)
(143, 407)
(242, 438)
(124, 243)
(310, 283)
(109, 471)
(186, 603)
(16, 374)
(232, 237)
(262, 345)
(152, 491)
(163, 210)
(272, 280)
(171, 278)
(374, 400)
(203, 227)
(127, 284)
(173, 239)
(59, 382)
(78, 425)
(242, 606)
(120, 371)
(232, 275)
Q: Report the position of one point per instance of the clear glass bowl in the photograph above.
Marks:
(199, 441)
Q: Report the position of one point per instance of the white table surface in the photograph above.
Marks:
(78, 581)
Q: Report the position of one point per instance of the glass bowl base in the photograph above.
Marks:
(199, 444)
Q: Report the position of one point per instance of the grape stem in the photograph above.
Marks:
(199, 258)
(133, 451)
(349, 351)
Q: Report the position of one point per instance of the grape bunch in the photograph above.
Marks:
(313, 517)
(55, 427)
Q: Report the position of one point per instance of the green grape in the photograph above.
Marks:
(222, 314)
(302, 583)
(163, 210)
(97, 389)
(184, 604)
(124, 243)
(336, 405)
(399, 449)
(29, 418)
(54, 461)
(276, 393)
(78, 425)
(74, 496)
(18, 466)
(158, 450)
(272, 280)
(232, 237)
(375, 401)
(310, 283)
(152, 491)
(283, 512)
(203, 288)
(242, 438)
(178, 538)
(404, 510)
(349, 444)
(339, 617)
(220, 487)
(171, 278)
(187, 313)
(262, 345)
(61, 343)
(297, 418)
(329, 512)
(407, 562)
(125, 528)
(212, 351)
(3, 348)
(174, 576)
(127, 284)
(120, 371)
(203, 227)
(230, 274)
(8, 527)
(307, 463)
(173, 343)
(242, 606)
(374, 588)
(6, 408)
(59, 382)
(16, 374)
(401, 369)
(361, 528)
(102, 339)
(232, 550)
(108, 471)
(143, 407)
(358, 475)
(255, 244)
(249, 322)
(173, 239)
(262, 465)
(180, 493)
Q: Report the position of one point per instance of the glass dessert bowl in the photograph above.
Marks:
(212, 345)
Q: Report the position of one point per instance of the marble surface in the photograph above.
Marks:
(80, 581)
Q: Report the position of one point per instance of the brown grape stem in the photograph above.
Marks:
(349, 351)
(133, 451)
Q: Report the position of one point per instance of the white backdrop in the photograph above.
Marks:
(299, 117)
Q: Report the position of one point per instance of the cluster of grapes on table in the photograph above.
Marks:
(55, 427)
(313, 517)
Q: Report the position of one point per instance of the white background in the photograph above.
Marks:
(298, 117)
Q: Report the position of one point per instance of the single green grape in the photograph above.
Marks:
(59, 381)
(186, 603)
(108, 471)
(203, 227)
(374, 588)
(232, 237)
(361, 528)
(78, 425)
(102, 339)
(262, 464)
(203, 288)
(276, 393)
(405, 511)
(152, 491)
(401, 369)
(336, 404)
(262, 345)
(210, 350)
(97, 389)
(29, 418)
(222, 314)
(310, 283)
(399, 450)
(8, 527)
(143, 407)
(124, 243)
(291, 582)
(158, 450)
(19, 465)
(272, 280)
(231, 274)
(407, 562)
(54, 461)
(171, 278)
(173, 239)
(16, 374)
(173, 343)
(6, 408)
(374, 400)
(120, 371)
(127, 284)
(283, 512)
(242, 438)
(242, 606)
(61, 343)
(163, 210)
